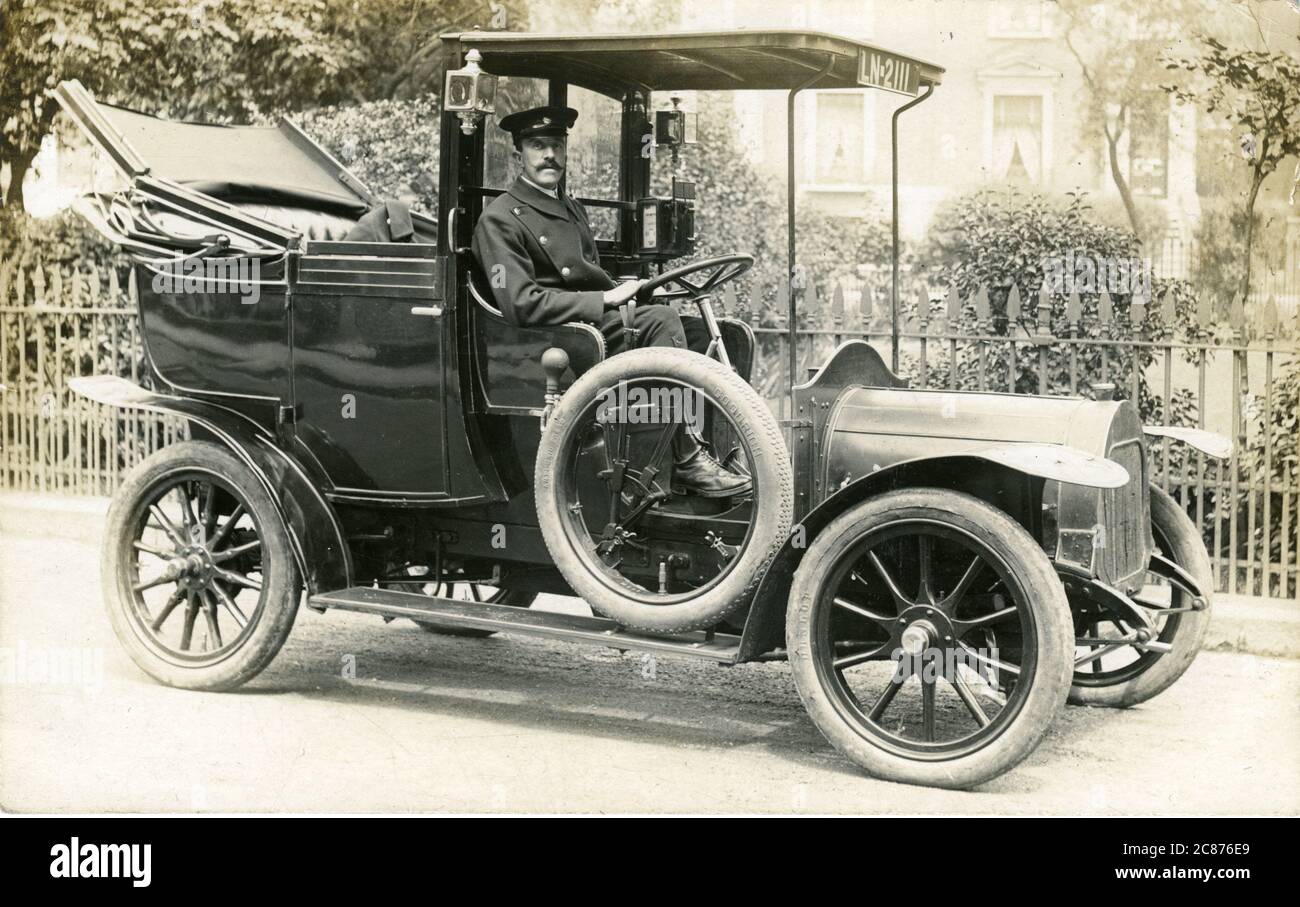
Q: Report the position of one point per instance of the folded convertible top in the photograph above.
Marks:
(263, 164)
(205, 172)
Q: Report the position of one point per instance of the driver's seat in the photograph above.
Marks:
(508, 357)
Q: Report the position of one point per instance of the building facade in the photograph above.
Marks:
(1008, 112)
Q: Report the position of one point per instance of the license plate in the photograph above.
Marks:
(877, 69)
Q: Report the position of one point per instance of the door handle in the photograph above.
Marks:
(451, 233)
(433, 311)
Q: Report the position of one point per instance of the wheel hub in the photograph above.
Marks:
(917, 638)
(924, 627)
(193, 567)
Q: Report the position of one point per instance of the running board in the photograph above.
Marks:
(600, 631)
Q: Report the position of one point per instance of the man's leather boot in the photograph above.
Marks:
(696, 472)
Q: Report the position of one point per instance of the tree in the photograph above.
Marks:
(222, 60)
(1258, 93)
(399, 44)
(1119, 47)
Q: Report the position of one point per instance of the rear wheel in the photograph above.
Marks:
(896, 628)
(198, 573)
(1123, 675)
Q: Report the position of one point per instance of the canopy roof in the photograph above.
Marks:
(702, 61)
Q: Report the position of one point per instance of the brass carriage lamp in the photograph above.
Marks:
(674, 128)
(470, 92)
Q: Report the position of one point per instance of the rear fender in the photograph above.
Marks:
(1017, 491)
(317, 538)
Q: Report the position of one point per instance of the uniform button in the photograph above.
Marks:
(516, 210)
(542, 240)
(564, 272)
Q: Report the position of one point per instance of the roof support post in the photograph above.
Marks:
(792, 313)
(893, 197)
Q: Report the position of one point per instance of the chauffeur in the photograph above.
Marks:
(536, 251)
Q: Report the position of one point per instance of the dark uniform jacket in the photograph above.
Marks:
(389, 222)
(539, 258)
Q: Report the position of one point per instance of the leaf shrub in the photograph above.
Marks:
(391, 146)
(997, 239)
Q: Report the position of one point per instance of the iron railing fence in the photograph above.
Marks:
(56, 325)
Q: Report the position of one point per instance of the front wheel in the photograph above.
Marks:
(1124, 675)
(929, 638)
(198, 573)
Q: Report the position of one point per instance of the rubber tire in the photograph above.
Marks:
(282, 585)
(773, 482)
(513, 599)
(1023, 556)
(1187, 550)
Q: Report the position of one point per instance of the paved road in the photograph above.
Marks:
(432, 723)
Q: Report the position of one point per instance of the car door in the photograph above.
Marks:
(368, 367)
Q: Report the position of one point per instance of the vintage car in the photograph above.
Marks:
(941, 570)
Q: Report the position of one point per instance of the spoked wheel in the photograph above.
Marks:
(634, 546)
(198, 573)
(1114, 673)
(929, 638)
(463, 591)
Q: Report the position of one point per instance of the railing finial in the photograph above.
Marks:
(982, 309)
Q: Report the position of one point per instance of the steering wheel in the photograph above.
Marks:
(674, 284)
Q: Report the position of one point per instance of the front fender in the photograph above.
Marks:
(319, 545)
(1015, 490)
(1207, 442)
(1057, 462)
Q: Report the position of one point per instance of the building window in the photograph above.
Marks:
(1148, 145)
(1018, 138)
(841, 136)
(1019, 19)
